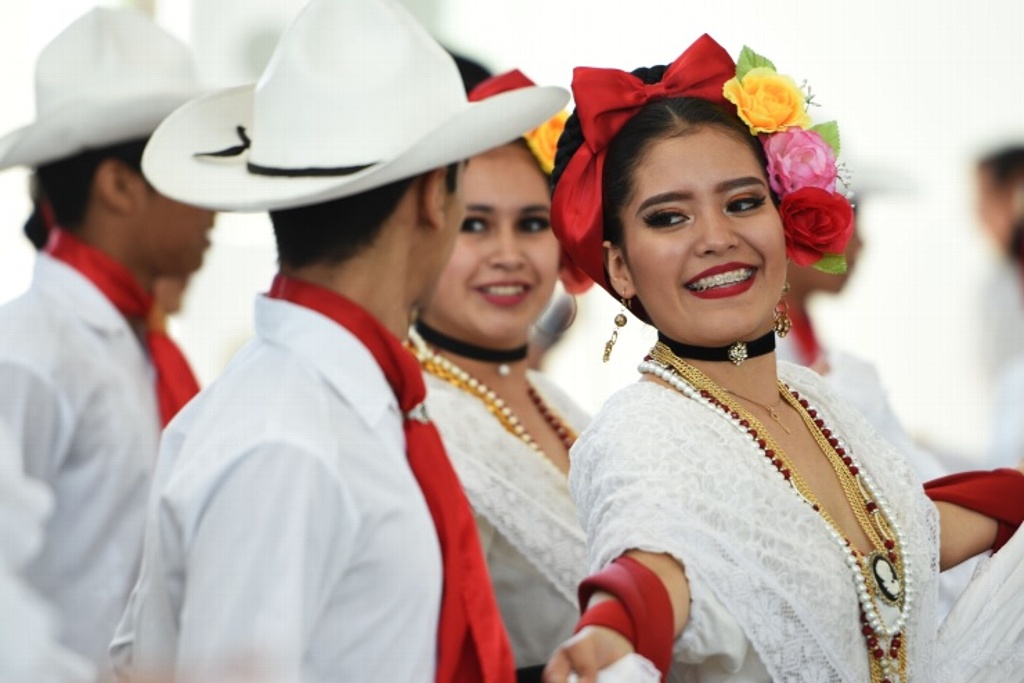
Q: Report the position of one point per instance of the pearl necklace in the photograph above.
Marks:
(883, 578)
(442, 368)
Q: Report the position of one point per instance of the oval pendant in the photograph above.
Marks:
(888, 583)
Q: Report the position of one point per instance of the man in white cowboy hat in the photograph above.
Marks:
(304, 514)
(81, 372)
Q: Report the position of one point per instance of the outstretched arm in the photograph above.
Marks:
(641, 611)
(978, 511)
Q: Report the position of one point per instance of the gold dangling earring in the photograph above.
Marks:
(620, 322)
(782, 322)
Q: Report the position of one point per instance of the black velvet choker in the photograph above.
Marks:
(466, 350)
(735, 353)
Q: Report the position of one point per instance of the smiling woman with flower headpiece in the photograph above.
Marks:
(744, 524)
(508, 429)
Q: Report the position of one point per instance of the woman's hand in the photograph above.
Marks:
(592, 649)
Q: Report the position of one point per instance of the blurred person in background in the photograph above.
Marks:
(506, 428)
(87, 383)
(856, 379)
(28, 646)
(1000, 204)
(999, 186)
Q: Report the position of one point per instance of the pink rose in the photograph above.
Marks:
(799, 158)
(815, 223)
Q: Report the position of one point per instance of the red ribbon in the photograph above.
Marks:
(472, 643)
(495, 85)
(605, 100)
(641, 611)
(175, 382)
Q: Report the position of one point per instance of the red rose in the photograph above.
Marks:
(816, 222)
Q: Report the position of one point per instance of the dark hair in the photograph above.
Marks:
(37, 225)
(67, 183)
(334, 231)
(656, 120)
(1005, 164)
(473, 72)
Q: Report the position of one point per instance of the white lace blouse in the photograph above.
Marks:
(772, 597)
(535, 549)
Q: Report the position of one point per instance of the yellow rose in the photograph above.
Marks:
(767, 101)
(543, 140)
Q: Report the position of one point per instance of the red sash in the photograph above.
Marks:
(175, 383)
(472, 643)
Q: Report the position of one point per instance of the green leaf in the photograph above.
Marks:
(829, 132)
(751, 60)
(833, 264)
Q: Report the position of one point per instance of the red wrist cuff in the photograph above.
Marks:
(610, 614)
(998, 494)
(642, 599)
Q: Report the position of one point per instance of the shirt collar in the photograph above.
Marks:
(341, 359)
(76, 293)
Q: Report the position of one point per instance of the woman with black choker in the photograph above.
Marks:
(744, 524)
(508, 429)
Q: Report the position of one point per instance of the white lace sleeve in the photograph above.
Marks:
(982, 639)
(658, 472)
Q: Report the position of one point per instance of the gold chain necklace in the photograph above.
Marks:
(770, 408)
(884, 610)
(444, 369)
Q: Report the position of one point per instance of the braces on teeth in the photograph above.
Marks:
(721, 279)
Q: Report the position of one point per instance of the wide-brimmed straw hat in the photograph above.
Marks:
(110, 77)
(357, 95)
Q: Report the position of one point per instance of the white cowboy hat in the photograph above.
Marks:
(109, 77)
(357, 95)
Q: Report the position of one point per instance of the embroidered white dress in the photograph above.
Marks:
(772, 597)
(535, 549)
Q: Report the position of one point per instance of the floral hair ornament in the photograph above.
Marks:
(605, 100)
(542, 142)
(802, 168)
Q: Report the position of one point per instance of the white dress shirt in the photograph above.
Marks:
(79, 400)
(285, 527)
(28, 649)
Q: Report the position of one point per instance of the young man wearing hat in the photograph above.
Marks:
(86, 384)
(304, 514)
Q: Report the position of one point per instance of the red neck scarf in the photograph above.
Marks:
(175, 383)
(472, 643)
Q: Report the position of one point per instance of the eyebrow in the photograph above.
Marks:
(487, 208)
(725, 186)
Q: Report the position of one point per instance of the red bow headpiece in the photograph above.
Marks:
(605, 100)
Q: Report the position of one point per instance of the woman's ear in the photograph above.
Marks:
(440, 204)
(619, 276)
